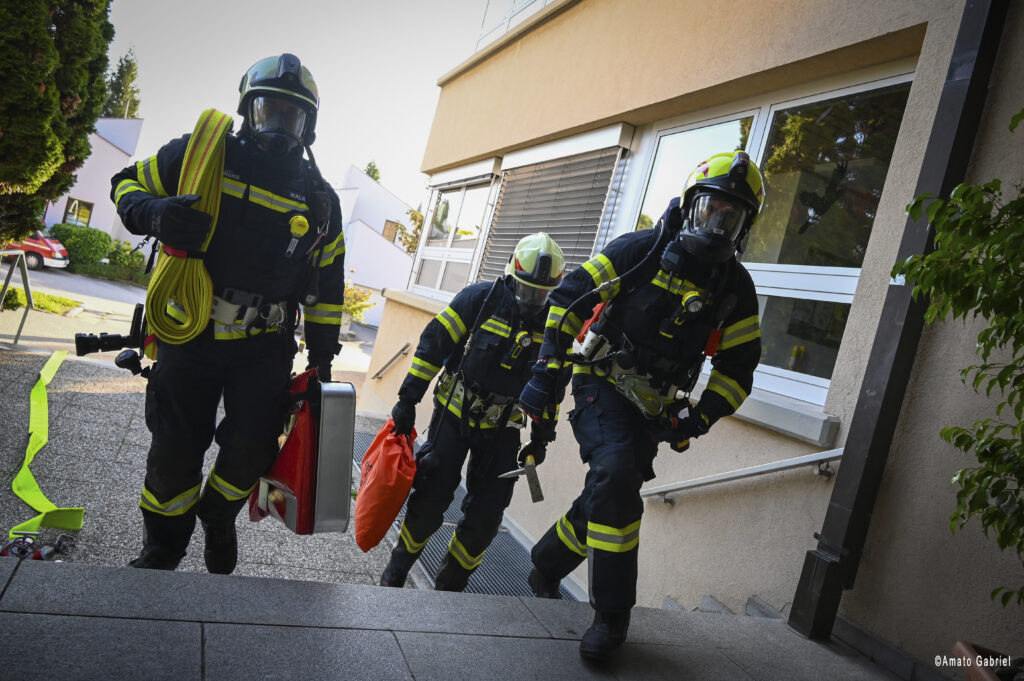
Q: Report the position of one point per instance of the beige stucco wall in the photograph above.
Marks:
(920, 586)
(603, 61)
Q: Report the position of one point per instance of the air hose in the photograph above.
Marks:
(179, 275)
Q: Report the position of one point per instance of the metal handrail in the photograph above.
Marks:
(773, 467)
(19, 261)
(394, 358)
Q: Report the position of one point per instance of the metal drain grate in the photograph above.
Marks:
(506, 564)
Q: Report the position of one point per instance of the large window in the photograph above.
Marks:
(77, 212)
(824, 160)
(454, 219)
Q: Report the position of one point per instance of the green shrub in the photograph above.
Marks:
(85, 245)
(121, 253)
(357, 301)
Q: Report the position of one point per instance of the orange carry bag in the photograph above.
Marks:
(385, 478)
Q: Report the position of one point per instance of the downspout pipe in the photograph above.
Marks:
(832, 566)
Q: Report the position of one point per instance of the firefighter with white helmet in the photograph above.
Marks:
(663, 300)
(483, 345)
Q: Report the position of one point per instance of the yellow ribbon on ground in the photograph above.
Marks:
(25, 485)
(185, 279)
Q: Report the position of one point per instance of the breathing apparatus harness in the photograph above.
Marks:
(629, 379)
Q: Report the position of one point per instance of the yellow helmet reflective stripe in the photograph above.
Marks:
(732, 173)
(283, 74)
(537, 261)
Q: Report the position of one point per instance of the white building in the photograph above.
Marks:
(374, 258)
(88, 203)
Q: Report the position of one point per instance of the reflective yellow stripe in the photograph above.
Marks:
(568, 536)
(727, 388)
(226, 489)
(149, 176)
(176, 506)
(323, 313)
(176, 312)
(423, 369)
(411, 544)
(450, 319)
(551, 416)
(496, 327)
(467, 561)
(741, 332)
(454, 405)
(232, 187)
(126, 187)
(572, 324)
(601, 270)
(333, 250)
(613, 539)
(537, 337)
(267, 199)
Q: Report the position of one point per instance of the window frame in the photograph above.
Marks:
(831, 284)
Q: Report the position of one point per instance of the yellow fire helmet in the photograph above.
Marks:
(536, 265)
(720, 202)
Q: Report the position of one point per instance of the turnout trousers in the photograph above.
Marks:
(185, 387)
(491, 451)
(603, 524)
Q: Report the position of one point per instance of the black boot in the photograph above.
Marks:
(157, 558)
(221, 552)
(543, 587)
(452, 576)
(398, 567)
(605, 635)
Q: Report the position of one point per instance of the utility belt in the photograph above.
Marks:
(239, 308)
(602, 359)
(477, 410)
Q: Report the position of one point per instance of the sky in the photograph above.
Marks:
(375, 62)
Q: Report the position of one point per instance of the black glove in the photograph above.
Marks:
(535, 448)
(538, 392)
(172, 221)
(678, 430)
(404, 415)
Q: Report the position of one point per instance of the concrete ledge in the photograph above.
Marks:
(431, 305)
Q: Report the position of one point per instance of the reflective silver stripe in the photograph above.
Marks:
(741, 332)
(411, 544)
(232, 187)
(727, 388)
(450, 319)
(175, 507)
(272, 201)
(333, 250)
(613, 539)
(460, 553)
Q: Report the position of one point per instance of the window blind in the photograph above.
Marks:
(564, 197)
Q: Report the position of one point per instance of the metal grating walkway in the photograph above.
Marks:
(506, 564)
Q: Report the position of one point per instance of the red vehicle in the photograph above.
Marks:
(41, 250)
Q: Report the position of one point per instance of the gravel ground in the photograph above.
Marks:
(96, 458)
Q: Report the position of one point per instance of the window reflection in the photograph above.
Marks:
(825, 164)
(446, 211)
(800, 334)
(467, 228)
(678, 154)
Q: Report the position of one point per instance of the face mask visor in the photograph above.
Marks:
(277, 115)
(531, 299)
(718, 216)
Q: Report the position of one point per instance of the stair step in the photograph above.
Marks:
(758, 608)
(712, 604)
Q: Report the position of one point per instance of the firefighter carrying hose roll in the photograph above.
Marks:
(683, 296)
(483, 345)
(277, 244)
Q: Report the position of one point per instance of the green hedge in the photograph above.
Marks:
(86, 246)
(121, 254)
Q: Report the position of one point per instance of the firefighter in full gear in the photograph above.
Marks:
(484, 345)
(263, 265)
(682, 295)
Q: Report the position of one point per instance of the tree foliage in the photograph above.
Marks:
(122, 95)
(410, 238)
(977, 269)
(372, 171)
(357, 301)
(53, 56)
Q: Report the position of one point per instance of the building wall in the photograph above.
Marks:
(601, 61)
(919, 585)
(374, 263)
(93, 185)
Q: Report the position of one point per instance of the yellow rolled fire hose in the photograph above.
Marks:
(25, 485)
(178, 276)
